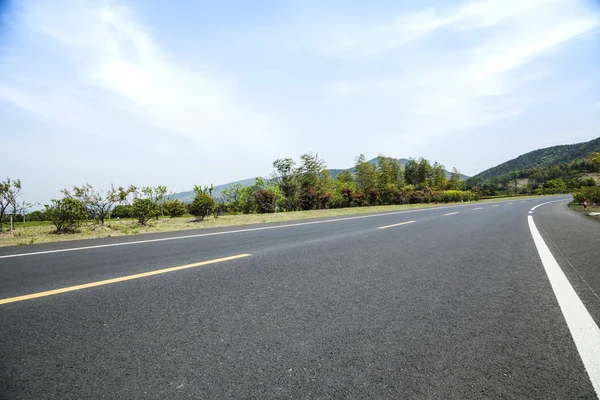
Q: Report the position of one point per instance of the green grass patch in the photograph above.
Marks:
(579, 208)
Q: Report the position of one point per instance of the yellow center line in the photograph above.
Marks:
(115, 280)
(452, 213)
(391, 226)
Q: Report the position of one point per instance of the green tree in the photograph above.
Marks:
(159, 195)
(366, 175)
(438, 176)
(411, 172)
(122, 211)
(286, 180)
(175, 208)
(455, 182)
(10, 190)
(203, 203)
(98, 204)
(144, 209)
(66, 214)
(424, 170)
(595, 157)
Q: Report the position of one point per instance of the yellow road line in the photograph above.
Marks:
(391, 226)
(456, 212)
(121, 279)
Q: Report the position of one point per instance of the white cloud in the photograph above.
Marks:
(117, 61)
(461, 68)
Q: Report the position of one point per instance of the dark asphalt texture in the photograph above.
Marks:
(454, 306)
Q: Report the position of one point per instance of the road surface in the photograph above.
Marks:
(454, 302)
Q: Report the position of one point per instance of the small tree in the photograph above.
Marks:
(159, 195)
(98, 204)
(9, 193)
(202, 206)
(265, 201)
(175, 208)
(66, 214)
(144, 210)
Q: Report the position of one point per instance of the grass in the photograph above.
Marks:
(579, 208)
(40, 231)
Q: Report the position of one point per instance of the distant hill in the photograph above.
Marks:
(188, 196)
(541, 158)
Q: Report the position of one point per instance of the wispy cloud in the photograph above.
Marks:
(117, 65)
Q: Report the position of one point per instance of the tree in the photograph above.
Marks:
(286, 180)
(438, 176)
(366, 174)
(175, 208)
(159, 195)
(411, 172)
(310, 169)
(202, 206)
(66, 214)
(232, 198)
(144, 209)
(98, 204)
(455, 182)
(9, 193)
(265, 201)
(423, 172)
(122, 211)
(596, 160)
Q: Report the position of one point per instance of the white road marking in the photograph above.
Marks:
(478, 208)
(401, 223)
(452, 213)
(226, 232)
(495, 205)
(548, 202)
(584, 330)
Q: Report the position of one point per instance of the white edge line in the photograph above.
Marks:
(99, 246)
(548, 202)
(584, 330)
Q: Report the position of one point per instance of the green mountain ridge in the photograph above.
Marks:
(541, 158)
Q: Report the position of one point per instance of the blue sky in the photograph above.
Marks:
(190, 92)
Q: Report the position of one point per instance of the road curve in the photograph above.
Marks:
(437, 303)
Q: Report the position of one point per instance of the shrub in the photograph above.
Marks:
(202, 206)
(592, 194)
(265, 201)
(175, 208)
(144, 210)
(122, 211)
(308, 198)
(36, 216)
(66, 214)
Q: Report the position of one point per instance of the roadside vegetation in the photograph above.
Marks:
(306, 189)
(592, 195)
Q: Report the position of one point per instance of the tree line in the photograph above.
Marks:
(293, 186)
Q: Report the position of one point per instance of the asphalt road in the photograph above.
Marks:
(456, 304)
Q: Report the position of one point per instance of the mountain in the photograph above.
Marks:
(541, 158)
(188, 196)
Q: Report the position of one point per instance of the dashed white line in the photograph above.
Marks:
(478, 208)
(495, 205)
(401, 223)
(452, 213)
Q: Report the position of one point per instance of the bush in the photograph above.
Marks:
(66, 214)
(175, 208)
(122, 211)
(144, 210)
(36, 216)
(265, 201)
(202, 206)
(592, 194)
(308, 198)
